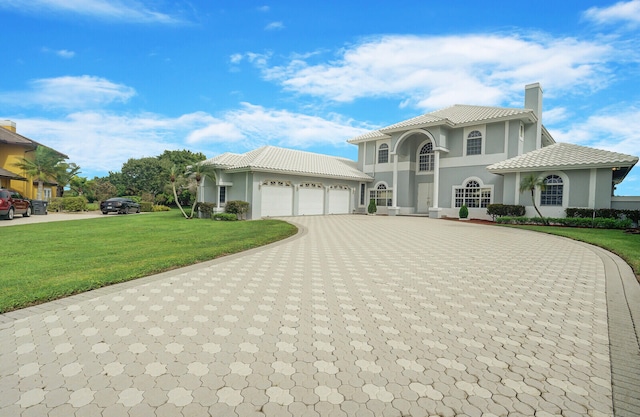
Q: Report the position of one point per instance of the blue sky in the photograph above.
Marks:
(108, 80)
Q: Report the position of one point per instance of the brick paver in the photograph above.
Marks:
(359, 315)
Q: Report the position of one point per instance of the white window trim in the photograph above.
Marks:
(565, 189)
(387, 188)
(464, 184)
(377, 155)
(483, 130)
(418, 172)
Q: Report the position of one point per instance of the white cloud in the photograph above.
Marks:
(255, 126)
(613, 130)
(99, 141)
(65, 54)
(554, 115)
(274, 26)
(434, 71)
(264, 9)
(624, 11)
(69, 92)
(62, 53)
(118, 10)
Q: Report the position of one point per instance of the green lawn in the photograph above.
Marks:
(46, 261)
(625, 245)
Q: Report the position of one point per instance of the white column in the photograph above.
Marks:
(516, 200)
(436, 178)
(395, 181)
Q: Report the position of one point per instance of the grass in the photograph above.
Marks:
(625, 245)
(47, 261)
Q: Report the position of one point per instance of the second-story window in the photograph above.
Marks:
(383, 154)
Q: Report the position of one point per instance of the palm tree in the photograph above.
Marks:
(198, 172)
(64, 173)
(173, 176)
(530, 183)
(41, 168)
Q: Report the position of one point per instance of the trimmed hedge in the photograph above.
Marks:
(206, 209)
(146, 206)
(499, 210)
(597, 223)
(225, 217)
(587, 213)
(237, 207)
(68, 204)
(160, 207)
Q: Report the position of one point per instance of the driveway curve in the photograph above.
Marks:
(356, 315)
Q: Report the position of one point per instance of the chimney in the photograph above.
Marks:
(533, 101)
(9, 125)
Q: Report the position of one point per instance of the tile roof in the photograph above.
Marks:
(373, 135)
(459, 114)
(281, 160)
(12, 138)
(8, 174)
(563, 156)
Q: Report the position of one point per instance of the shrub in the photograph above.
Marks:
(159, 207)
(463, 213)
(205, 209)
(372, 206)
(240, 208)
(93, 206)
(597, 223)
(74, 203)
(146, 206)
(225, 217)
(499, 210)
(56, 204)
(605, 213)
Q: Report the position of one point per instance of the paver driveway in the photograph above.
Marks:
(358, 315)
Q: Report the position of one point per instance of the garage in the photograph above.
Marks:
(310, 199)
(339, 196)
(277, 198)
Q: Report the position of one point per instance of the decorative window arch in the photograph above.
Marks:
(474, 142)
(382, 194)
(553, 191)
(472, 193)
(383, 154)
(426, 157)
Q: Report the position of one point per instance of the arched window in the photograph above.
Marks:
(383, 154)
(425, 158)
(472, 195)
(474, 143)
(552, 193)
(382, 195)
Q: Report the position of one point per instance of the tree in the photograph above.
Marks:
(173, 177)
(530, 183)
(198, 172)
(42, 168)
(64, 174)
(181, 159)
(144, 175)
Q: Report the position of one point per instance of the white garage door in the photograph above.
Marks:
(310, 199)
(339, 199)
(277, 198)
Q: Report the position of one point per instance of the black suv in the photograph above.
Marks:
(12, 203)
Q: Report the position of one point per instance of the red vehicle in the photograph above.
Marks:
(12, 203)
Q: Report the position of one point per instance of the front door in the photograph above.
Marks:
(425, 197)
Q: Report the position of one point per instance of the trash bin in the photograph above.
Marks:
(39, 206)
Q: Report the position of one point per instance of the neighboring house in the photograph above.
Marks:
(284, 182)
(14, 147)
(434, 163)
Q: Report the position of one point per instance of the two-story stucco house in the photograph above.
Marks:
(431, 165)
(13, 148)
